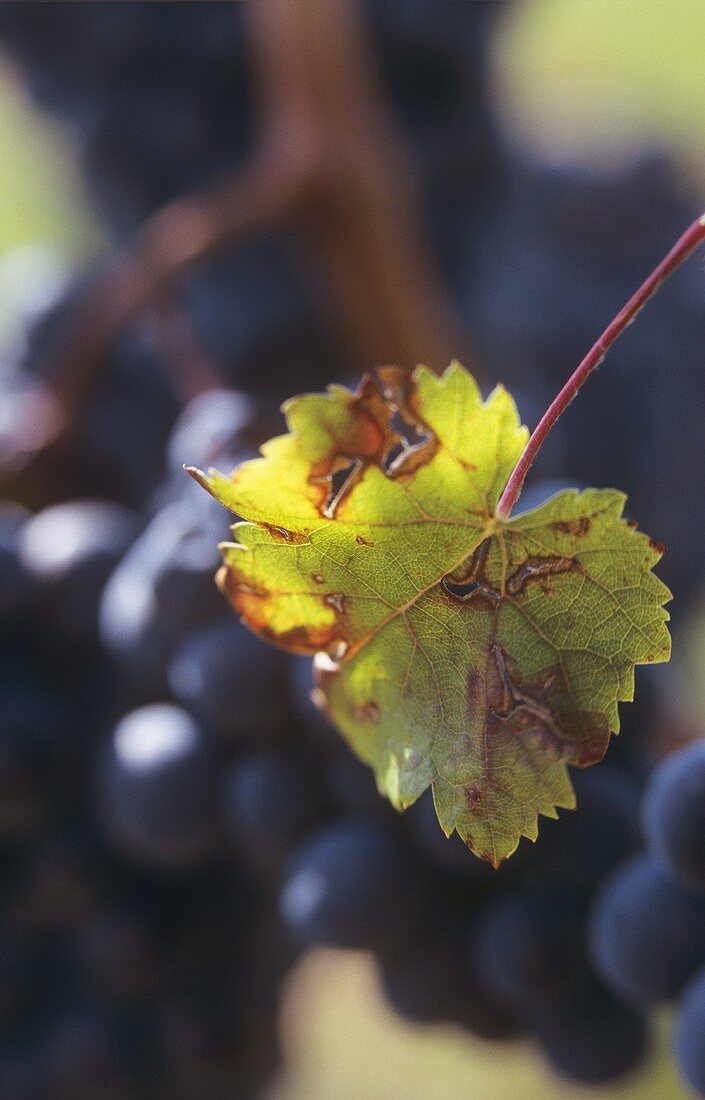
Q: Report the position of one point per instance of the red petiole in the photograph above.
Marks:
(683, 248)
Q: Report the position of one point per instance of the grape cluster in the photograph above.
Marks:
(177, 810)
(139, 956)
(648, 925)
(177, 820)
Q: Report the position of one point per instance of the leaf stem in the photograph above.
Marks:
(683, 247)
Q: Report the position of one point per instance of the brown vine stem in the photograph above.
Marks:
(180, 234)
(682, 249)
(329, 164)
(322, 102)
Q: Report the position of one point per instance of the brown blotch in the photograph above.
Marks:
(404, 458)
(320, 486)
(505, 696)
(474, 569)
(399, 388)
(372, 435)
(364, 436)
(535, 568)
(299, 639)
(256, 606)
(577, 527)
(469, 584)
(317, 578)
(362, 541)
(408, 459)
(473, 688)
(281, 534)
(473, 795)
(538, 710)
(337, 484)
(657, 546)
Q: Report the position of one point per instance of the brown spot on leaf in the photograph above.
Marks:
(365, 433)
(535, 568)
(505, 696)
(415, 443)
(378, 426)
(657, 546)
(337, 484)
(317, 578)
(473, 570)
(578, 528)
(362, 541)
(406, 458)
(360, 434)
(473, 687)
(473, 796)
(281, 534)
(469, 584)
(371, 414)
(540, 711)
(472, 594)
(257, 606)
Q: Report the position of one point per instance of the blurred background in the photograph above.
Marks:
(205, 208)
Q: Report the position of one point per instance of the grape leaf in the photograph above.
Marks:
(454, 649)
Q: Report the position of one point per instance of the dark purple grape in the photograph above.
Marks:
(231, 681)
(212, 430)
(673, 815)
(156, 792)
(162, 588)
(479, 1010)
(690, 1028)
(647, 934)
(594, 1039)
(351, 885)
(528, 948)
(431, 982)
(425, 985)
(68, 551)
(270, 802)
(578, 850)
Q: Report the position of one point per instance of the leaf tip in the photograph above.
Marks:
(198, 476)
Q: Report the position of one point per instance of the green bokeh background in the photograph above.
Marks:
(592, 79)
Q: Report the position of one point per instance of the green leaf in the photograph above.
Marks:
(453, 649)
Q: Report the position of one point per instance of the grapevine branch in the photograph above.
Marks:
(328, 163)
(682, 249)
